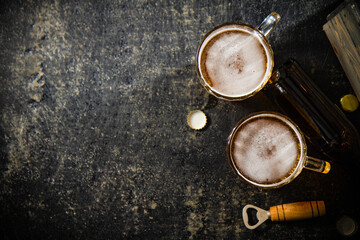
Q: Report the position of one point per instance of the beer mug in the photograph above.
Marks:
(235, 60)
(268, 150)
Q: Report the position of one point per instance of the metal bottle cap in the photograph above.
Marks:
(197, 119)
(347, 226)
(349, 103)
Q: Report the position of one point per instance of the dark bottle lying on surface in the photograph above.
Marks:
(324, 124)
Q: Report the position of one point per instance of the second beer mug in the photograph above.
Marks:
(268, 150)
(235, 60)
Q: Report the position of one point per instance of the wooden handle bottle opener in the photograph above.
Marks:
(285, 212)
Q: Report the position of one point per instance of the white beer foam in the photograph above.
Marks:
(236, 62)
(265, 150)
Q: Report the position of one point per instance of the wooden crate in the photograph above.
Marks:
(343, 32)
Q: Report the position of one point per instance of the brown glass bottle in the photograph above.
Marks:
(324, 124)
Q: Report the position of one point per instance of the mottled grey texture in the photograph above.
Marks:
(94, 141)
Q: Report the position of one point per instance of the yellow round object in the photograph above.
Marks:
(349, 103)
(197, 119)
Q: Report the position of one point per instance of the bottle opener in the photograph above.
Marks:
(285, 212)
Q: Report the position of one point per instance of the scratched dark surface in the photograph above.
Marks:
(94, 140)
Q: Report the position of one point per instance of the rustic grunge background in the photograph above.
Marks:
(94, 140)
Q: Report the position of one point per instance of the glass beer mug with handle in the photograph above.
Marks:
(268, 150)
(235, 60)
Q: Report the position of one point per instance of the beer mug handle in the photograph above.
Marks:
(269, 23)
(317, 165)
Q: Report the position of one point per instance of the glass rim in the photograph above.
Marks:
(269, 55)
(303, 149)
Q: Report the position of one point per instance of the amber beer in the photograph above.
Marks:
(268, 150)
(235, 60)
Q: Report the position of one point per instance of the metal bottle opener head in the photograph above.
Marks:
(261, 214)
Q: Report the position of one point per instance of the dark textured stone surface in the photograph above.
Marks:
(94, 141)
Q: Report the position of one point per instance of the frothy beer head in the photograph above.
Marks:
(234, 61)
(266, 148)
